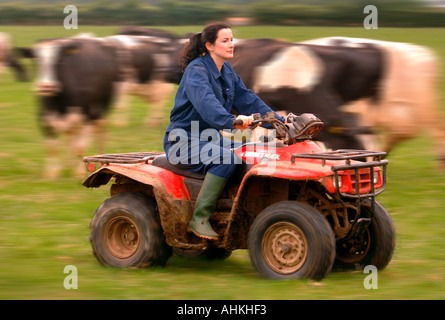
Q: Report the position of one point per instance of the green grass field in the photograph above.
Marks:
(44, 225)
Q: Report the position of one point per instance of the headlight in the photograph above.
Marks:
(339, 181)
(376, 177)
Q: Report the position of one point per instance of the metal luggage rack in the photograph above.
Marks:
(341, 154)
(348, 155)
(360, 222)
(123, 158)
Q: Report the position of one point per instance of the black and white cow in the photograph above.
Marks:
(371, 94)
(303, 78)
(147, 32)
(408, 93)
(145, 62)
(75, 89)
(81, 78)
(7, 58)
(154, 81)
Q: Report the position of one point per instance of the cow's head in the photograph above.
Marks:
(49, 53)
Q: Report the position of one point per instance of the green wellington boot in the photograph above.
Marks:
(205, 206)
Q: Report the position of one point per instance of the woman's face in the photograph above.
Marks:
(222, 49)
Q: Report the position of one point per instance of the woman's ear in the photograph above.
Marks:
(209, 46)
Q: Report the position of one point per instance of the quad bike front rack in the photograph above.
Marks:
(348, 155)
(360, 223)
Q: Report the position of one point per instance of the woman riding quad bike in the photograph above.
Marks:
(299, 210)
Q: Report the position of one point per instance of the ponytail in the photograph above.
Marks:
(192, 50)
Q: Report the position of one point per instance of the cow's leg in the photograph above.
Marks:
(426, 90)
(395, 124)
(436, 127)
(2, 68)
(78, 143)
(122, 90)
(76, 132)
(53, 160)
(367, 114)
(158, 94)
(99, 134)
(80, 138)
(54, 128)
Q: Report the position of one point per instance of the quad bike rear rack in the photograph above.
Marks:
(123, 158)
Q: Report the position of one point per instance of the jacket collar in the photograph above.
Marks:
(225, 70)
(211, 66)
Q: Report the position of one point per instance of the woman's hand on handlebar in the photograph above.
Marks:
(243, 122)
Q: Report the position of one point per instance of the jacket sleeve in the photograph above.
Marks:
(200, 93)
(246, 102)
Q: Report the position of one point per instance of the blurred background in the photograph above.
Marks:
(397, 13)
(44, 223)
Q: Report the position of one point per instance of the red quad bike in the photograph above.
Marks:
(298, 210)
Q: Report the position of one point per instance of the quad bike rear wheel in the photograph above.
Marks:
(291, 239)
(126, 232)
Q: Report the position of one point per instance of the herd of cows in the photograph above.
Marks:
(370, 94)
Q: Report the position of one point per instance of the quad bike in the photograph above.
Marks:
(298, 210)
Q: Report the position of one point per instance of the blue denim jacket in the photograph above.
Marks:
(208, 96)
(205, 97)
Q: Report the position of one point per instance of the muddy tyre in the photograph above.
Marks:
(374, 247)
(291, 239)
(126, 232)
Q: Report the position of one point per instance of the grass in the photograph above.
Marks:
(44, 225)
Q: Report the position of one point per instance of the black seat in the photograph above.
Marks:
(162, 162)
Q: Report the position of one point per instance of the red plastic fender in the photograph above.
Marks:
(161, 179)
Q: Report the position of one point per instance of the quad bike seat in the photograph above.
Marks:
(162, 162)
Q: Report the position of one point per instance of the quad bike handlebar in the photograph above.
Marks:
(295, 128)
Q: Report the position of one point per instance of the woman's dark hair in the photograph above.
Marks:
(196, 46)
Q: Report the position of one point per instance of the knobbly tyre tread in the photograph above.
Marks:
(316, 228)
(152, 250)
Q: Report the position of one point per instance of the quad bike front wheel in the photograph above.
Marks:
(375, 246)
(291, 239)
(126, 232)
